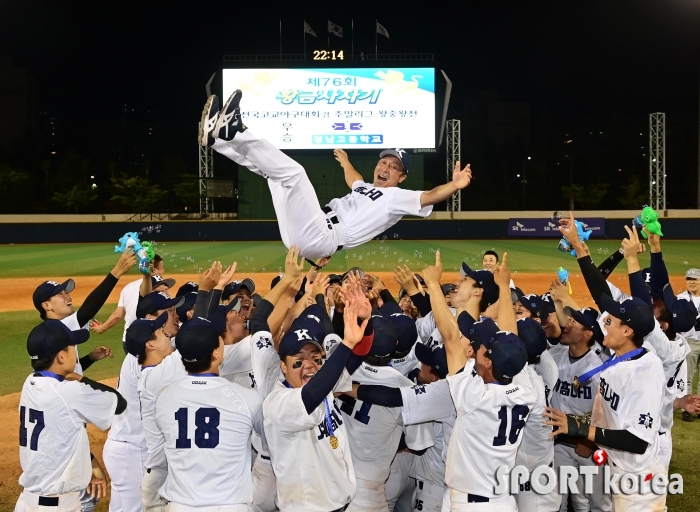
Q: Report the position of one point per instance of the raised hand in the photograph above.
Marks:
(630, 245)
(210, 277)
(126, 261)
(293, 267)
(406, 279)
(320, 285)
(558, 291)
(501, 274)
(433, 273)
(353, 332)
(226, 276)
(341, 156)
(461, 178)
(352, 290)
(377, 283)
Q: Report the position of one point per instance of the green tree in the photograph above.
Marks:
(76, 200)
(15, 189)
(136, 194)
(587, 196)
(634, 194)
(187, 190)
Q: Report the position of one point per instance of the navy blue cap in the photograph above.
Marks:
(234, 286)
(302, 332)
(187, 288)
(140, 331)
(225, 309)
(447, 288)
(389, 308)
(48, 289)
(385, 337)
(548, 302)
(156, 280)
(436, 358)
(636, 313)
(532, 335)
(190, 299)
(406, 332)
(465, 322)
(335, 278)
(312, 319)
(480, 332)
(507, 353)
(484, 279)
(52, 336)
(587, 317)
(197, 339)
(399, 153)
(156, 301)
(683, 310)
(515, 294)
(533, 303)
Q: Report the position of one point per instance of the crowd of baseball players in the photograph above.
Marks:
(327, 393)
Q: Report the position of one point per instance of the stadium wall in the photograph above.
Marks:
(40, 231)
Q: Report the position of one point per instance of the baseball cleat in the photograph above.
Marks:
(229, 122)
(686, 416)
(210, 114)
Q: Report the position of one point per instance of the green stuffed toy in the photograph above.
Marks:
(649, 219)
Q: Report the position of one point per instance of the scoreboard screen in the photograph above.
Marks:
(337, 107)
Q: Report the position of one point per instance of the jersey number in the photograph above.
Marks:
(517, 422)
(206, 435)
(34, 417)
(348, 404)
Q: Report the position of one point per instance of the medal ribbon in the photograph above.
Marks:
(329, 423)
(607, 364)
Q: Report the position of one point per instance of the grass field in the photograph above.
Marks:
(525, 256)
(190, 257)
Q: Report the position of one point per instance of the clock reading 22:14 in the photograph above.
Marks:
(328, 55)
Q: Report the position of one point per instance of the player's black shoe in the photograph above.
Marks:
(210, 114)
(229, 122)
(687, 416)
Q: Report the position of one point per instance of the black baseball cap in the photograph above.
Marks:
(507, 353)
(234, 286)
(436, 358)
(276, 280)
(385, 337)
(140, 331)
(683, 310)
(187, 288)
(587, 317)
(156, 280)
(533, 303)
(303, 331)
(465, 322)
(447, 288)
(190, 299)
(399, 153)
(532, 335)
(48, 289)
(52, 336)
(197, 339)
(484, 279)
(335, 278)
(224, 309)
(156, 301)
(548, 302)
(406, 332)
(636, 313)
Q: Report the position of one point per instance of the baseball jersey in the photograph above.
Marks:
(565, 396)
(375, 431)
(537, 448)
(428, 332)
(630, 398)
(54, 450)
(127, 427)
(129, 299)
(237, 366)
(487, 433)
(431, 403)
(693, 333)
(206, 424)
(547, 369)
(369, 211)
(71, 322)
(616, 293)
(405, 365)
(311, 475)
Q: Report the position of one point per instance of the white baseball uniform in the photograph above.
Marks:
(407, 364)
(428, 332)
(486, 436)
(693, 339)
(547, 369)
(54, 450)
(129, 300)
(125, 450)
(579, 401)
(206, 424)
(630, 398)
(363, 214)
(374, 433)
(72, 323)
(536, 449)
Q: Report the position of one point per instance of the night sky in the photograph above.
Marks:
(575, 58)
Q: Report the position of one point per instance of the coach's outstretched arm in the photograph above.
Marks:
(351, 175)
(460, 180)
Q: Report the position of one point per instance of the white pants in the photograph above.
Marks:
(150, 485)
(125, 464)
(370, 497)
(460, 503)
(529, 500)
(427, 497)
(665, 449)
(399, 480)
(264, 486)
(596, 502)
(692, 359)
(178, 507)
(299, 216)
(645, 500)
(29, 502)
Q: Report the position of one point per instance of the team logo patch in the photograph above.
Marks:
(680, 384)
(646, 420)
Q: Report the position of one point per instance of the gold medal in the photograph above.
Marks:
(577, 384)
(334, 442)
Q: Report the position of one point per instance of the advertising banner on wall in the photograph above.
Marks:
(547, 227)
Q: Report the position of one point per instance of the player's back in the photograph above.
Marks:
(127, 427)
(487, 433)
(207, 423)
(54, 448)
(537, 447)
(375, 431)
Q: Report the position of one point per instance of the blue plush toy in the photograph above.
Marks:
(583, 236)
(144, 250)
